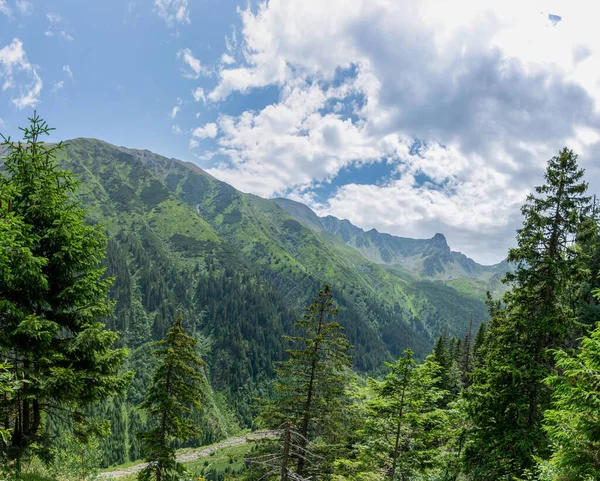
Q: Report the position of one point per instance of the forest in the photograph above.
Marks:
(147, 309)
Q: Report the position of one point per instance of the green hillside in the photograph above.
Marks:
(238, 268)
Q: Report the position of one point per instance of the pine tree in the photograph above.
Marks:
(175, 391)
(508, 397)
(53, 293)
(311, 383)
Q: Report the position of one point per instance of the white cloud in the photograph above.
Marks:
(56, 86)
(291, 144)
(67, 71)
(470, 201)
(57, 27)
(199, 95)
(227, 59)
(194, 144)
(176, 108)
(176, 129)
(5, 9)
(25, 7)
(194, 67)
(207, 131)
(492, 90)
(231, 42)
(16, 72)
(173, 12)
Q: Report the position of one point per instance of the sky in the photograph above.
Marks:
(409, 116)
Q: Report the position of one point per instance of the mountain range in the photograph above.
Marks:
(239, 269)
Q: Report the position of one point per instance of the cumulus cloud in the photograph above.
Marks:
(490, 92)
(227, 59)
(199, 95)
(194, 68)
(17, 73)
(173, 12)
(57, 27)
(67, 71)
(209, 130)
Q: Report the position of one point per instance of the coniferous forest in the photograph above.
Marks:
(148, 309)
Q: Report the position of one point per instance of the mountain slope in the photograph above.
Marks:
(290, 248)
(239, 269)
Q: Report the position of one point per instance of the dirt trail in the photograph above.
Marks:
(200, 453)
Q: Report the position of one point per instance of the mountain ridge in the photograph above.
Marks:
(430, 258)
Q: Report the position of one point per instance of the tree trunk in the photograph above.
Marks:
(308, 405)
(287, 441)
(398, 430)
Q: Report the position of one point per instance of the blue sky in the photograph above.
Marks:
(126, 76)
(412, 117)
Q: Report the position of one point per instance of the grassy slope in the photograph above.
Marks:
(118, 191)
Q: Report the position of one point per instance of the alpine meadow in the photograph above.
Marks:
(284, 303)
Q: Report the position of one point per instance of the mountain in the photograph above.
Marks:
(427, 258)
(239, 269)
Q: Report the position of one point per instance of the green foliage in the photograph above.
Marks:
(53, 293)
(176, 389)
(403, 422)
(509, 396)
(573, 424)
(310, 386)
(8, 387)
(76, 454)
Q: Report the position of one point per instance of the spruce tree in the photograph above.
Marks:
(508, 397)
(53, 293)
(479, 340)
(175, 391)
(310, 384)
(572, 423)
(402, 417)
(465, 361)
(446, 353)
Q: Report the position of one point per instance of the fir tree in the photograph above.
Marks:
(509, 396)
(52, 293)
(175, 391)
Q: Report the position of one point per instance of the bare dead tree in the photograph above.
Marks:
(292, 446)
